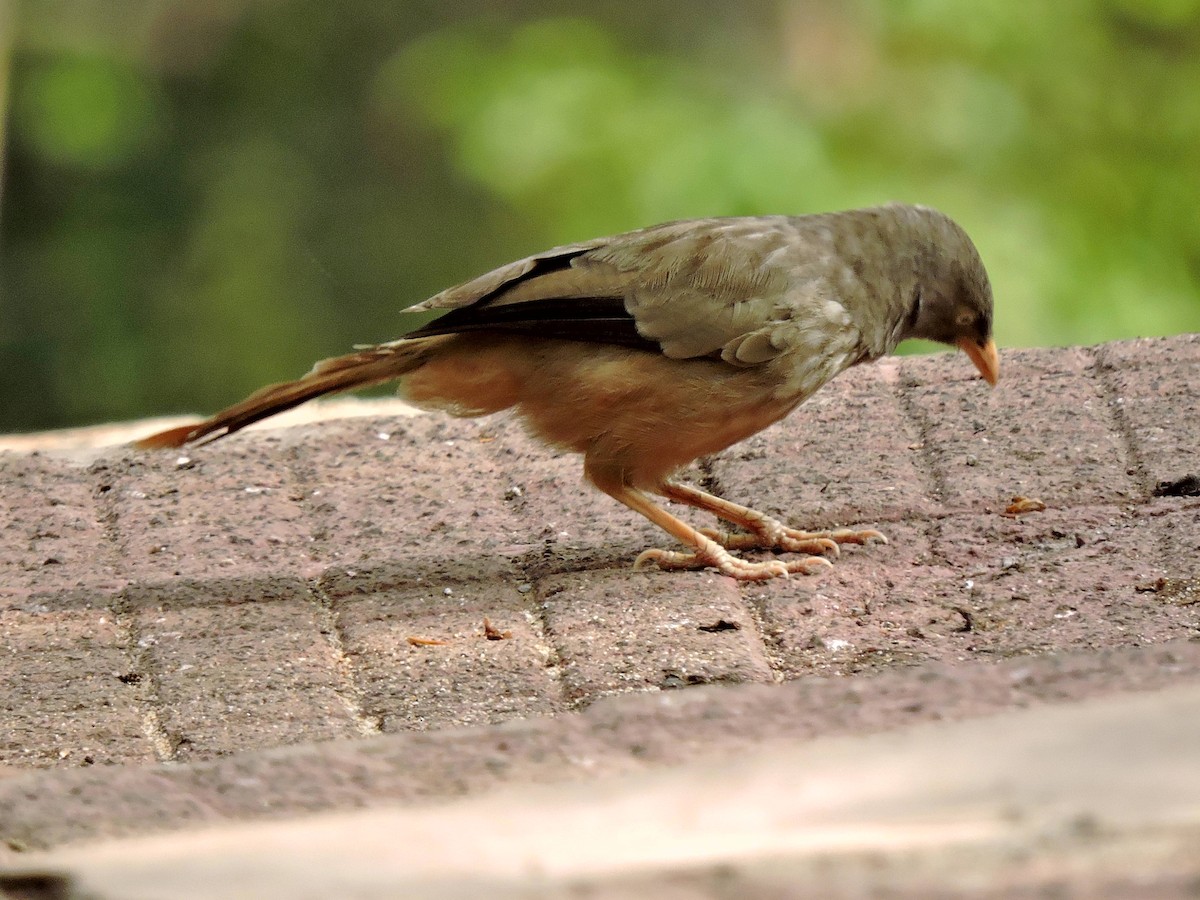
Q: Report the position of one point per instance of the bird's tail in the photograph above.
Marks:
(374, 365)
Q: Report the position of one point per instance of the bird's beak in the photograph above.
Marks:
(985, 357)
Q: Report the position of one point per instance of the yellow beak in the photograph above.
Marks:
(985, 357)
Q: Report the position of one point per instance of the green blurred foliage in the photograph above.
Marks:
(85, 113)
(201, 196)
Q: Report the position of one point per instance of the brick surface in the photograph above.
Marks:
(565, 524)
(262, 593)
(465, 680)
(52, 537)
(238, 664)
(1151, 351)
(620, 631)
(1180, 530)
(881, 606)
(1048, 436)
(206, 513)
(846, 455)
(70, 696)
(1061, 580)
(1160, 406)
(617, 734)
(1016, 363)
(406, 488)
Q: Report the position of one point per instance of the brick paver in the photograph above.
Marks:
(467, 679)
(617, 631)
(71, 696)
(53, 535)
(237, 664)
(199, 514)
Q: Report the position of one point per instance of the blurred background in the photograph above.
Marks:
(201, 196)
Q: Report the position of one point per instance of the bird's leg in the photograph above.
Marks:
(765, 533)
(706, 552)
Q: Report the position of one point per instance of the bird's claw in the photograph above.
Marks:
(798, 542)
(727, 564)
(850, 536)
(776, 536)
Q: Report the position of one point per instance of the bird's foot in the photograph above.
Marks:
(717, 557)
(769, 534)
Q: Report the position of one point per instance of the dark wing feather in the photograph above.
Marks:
(602, 320)
(596, 319)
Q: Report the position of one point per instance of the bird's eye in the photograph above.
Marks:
(965, 318)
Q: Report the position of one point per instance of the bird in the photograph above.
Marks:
(647, 350)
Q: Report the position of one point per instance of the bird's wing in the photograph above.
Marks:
(741, 289)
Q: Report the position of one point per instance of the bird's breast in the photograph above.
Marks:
(814, 346)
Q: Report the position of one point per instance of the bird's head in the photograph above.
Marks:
(951, 302)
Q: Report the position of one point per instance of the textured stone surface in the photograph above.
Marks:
(172, 626)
